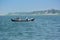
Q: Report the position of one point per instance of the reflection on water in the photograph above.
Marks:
(43, 28)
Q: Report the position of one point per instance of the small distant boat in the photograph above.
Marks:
(22, 20)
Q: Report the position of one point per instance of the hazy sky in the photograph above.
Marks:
(7, 6)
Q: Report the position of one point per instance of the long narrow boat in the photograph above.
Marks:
(22, 20)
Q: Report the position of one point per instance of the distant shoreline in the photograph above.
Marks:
(33, 13)
(29, 15)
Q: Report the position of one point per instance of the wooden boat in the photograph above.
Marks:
(22, 20)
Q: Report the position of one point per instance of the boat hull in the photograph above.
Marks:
(22, 20)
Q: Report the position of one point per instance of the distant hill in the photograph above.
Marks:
(44, 12)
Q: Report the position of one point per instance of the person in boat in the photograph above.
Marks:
(26, 19)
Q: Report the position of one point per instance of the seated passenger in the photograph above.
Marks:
(26, 19)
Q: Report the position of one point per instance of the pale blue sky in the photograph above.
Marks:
(7, 6)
